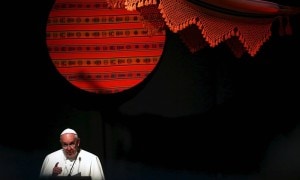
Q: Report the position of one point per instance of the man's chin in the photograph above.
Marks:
(70, 156)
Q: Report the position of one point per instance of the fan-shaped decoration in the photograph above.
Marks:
(245, 25)
(99, 49)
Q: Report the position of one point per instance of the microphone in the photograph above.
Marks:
(79, 165)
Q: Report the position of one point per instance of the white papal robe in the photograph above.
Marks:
(86, 164)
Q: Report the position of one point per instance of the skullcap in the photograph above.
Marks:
(68, 131)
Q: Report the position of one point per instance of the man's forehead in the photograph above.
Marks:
(69, 137)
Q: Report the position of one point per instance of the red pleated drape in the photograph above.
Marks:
(244, 25)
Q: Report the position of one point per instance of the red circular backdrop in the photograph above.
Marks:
(100, 49)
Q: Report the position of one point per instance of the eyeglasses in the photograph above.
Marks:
(72, 145)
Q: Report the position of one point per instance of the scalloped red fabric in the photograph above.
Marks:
(199, 26)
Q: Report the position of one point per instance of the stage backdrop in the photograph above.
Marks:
(100, 49)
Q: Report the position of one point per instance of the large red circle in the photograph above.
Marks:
(100, 49)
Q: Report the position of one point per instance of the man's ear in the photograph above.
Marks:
(78, 142)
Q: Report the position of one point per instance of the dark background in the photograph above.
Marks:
(206, 115)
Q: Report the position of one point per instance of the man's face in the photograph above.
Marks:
(70, 144)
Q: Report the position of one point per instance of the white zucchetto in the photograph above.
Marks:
(68, 131)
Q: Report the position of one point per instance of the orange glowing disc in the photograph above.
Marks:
(101, 49)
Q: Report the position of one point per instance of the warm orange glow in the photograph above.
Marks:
(100, 49)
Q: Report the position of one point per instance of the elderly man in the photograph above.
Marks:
(70, 160)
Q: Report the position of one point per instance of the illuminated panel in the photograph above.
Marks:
(100, 49)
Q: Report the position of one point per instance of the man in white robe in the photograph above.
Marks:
(71, 160)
